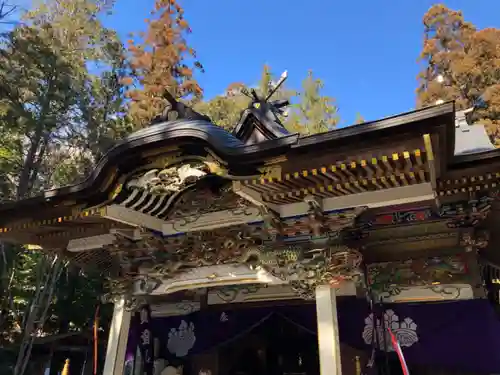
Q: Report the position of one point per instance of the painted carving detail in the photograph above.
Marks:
(401, 217)
(316, 217)
(303, 265)
(195, 203)
(469, 213)
(121, 288)
(474, 240)
(314, 226)
(230, 293)
(390, 278)
(305, 269)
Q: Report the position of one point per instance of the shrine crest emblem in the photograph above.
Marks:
(181, 340)
(405, 331)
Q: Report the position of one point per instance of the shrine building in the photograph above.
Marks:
(260, 251)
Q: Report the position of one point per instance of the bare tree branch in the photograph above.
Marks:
(6, 10)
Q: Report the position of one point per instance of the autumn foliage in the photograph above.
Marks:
(461, 63)
(161, 60)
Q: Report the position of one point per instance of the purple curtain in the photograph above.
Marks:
(463, 335)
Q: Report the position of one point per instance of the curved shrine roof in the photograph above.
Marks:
(198, 139)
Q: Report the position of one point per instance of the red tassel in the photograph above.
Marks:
(96, 331)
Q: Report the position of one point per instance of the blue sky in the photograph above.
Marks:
(365, 51)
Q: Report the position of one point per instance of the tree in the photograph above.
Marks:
(461, 63)
(41, 87)
(315, 113)
(225, 110)
(51, 108)
(6, 10)
(161, 62)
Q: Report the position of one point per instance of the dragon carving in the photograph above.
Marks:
(169, 180)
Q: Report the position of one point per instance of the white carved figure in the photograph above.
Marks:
(405, 331)
(168, 180)
(188, 174)
(182, 339)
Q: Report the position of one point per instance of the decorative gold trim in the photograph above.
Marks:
(270, 173)
(345, 188)
(216, 168)
(462, 185)
(428, 147)
(114, 193)
(276, 160)
(109, 179)
(64, 234)
(95, 211)
(430, 161)
(468, 189)
(397, 164)
(212, 156)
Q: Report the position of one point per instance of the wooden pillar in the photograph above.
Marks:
(117, 340)
(328, 331)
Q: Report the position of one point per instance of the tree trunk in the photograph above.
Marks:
(37, 314)
(36, 151)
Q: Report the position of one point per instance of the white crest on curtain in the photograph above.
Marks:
(405, 331)
(223, 317)
(181, 340)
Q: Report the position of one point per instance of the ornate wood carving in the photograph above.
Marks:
(197, 202)
(390, 278)
(304, 266)
(305, 269)
(188, 189)
(467, 214)
(169, 180)
(474, 240)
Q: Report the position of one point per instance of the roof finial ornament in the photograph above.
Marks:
(176, 110)
(261, 120)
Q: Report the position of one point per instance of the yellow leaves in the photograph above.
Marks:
(5, 153)
(469, 62)
(491, 97)
(127, 81)
(159, 59)
(466, 58)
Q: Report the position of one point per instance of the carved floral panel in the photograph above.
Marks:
(391, 277)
